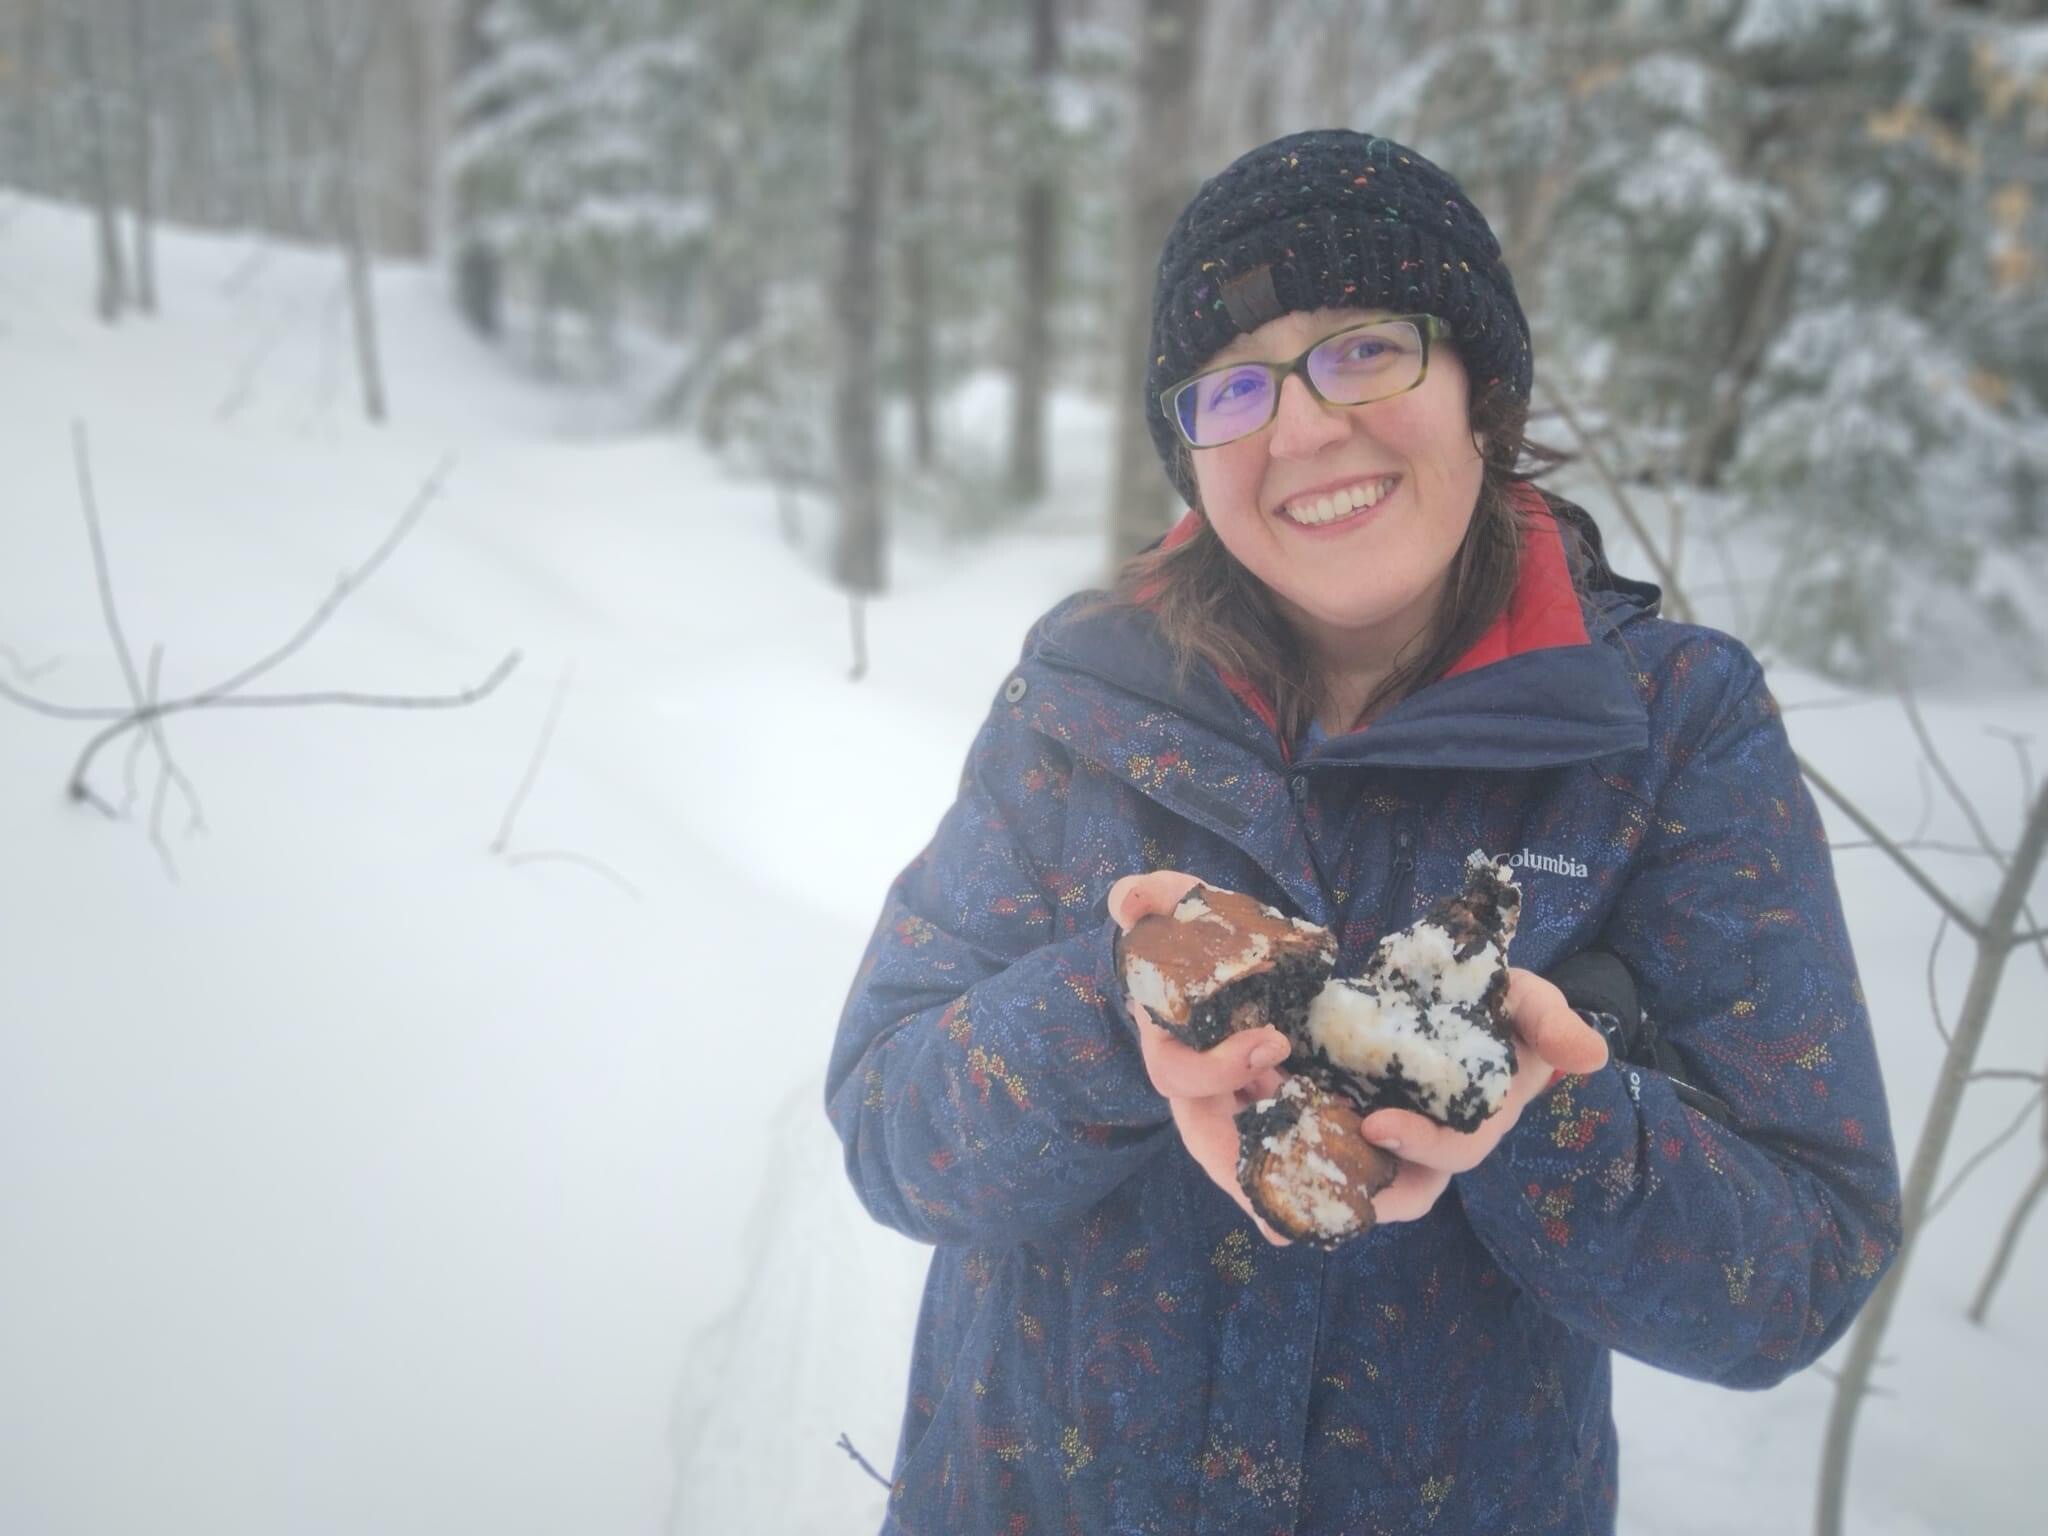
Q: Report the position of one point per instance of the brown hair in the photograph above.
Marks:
(1210, 608)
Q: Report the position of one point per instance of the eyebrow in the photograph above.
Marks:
(1235, 351)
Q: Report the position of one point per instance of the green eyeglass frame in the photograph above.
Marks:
(1427, 327)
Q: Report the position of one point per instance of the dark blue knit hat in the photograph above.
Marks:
(1328, 219)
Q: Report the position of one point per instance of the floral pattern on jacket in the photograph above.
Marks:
(1106, 1345)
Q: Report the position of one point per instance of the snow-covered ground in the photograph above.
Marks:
(358, 1180)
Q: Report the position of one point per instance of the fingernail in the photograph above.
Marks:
(1267, 1055)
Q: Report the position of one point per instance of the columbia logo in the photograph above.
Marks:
(1550, 863)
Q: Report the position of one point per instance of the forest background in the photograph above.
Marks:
(887, 261)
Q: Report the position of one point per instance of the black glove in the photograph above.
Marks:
(1601, 991)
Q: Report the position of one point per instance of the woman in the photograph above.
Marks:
(1368, 649)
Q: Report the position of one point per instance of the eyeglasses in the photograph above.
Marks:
(1354, 367)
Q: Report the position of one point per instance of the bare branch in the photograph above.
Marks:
(1933, 992)
(1926, 779)
(846, 1444)
(1898, 855)
(2004, 1075)
(80, 791)
(2009, 1239)
(1931, 844)
(540, 752)
(1940, 766)
(82, 461)
(347, 583)
(582, 861)
(163, 774)
(2020, 741)
(2033, 1101)
(1667, 576)
(22, 669)
(58, 711)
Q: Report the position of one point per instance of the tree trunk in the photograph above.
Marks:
(249, 44)
(857, 557)
(1158, 185)
(145, 158)
(37, 172)
(913, 225)
(1994, 947)
(112, 290)
(413, 56)
(1262, 61)
(341, 63)
(1038, 258)
(479, 272)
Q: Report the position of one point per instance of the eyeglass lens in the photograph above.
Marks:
(1350, 368)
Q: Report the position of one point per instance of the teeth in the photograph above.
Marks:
(1341, 503)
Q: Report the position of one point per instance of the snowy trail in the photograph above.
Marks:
(358, 1181)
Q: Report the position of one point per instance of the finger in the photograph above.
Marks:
(1416, 1139)
(1136, 896)
(1550, 1026)
(1264, 1085)
(1413, 1194)
(1182, 1072)
(1209, 1132)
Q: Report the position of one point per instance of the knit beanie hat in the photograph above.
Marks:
(1328, 219)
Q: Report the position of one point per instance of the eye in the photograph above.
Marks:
(1366, 348)
(1236, 387)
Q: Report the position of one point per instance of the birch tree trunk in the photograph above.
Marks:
(1158, 184)
(858, 554)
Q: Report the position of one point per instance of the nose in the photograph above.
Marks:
(1302, 425)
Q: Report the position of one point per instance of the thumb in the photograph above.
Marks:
(1551, 1027)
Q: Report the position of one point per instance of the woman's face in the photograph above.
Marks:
(1363, 584)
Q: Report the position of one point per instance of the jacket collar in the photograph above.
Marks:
(1537, 690)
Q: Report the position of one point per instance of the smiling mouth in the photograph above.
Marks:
(1335, 506)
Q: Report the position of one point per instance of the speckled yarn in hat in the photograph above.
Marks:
(1328, 219)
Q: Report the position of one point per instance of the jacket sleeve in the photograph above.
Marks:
(986, 1081)
(1733, 1253)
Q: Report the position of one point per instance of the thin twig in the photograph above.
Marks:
(1941, 769)
(1667, 576)
(22, 669)
(347, 583)
(2004, 1075)
(540, 752)
(81, 459)
(581, 860)
(196, 817)
(1897, 855)
(1846, 701)
(2020, 741)
(2033, 1101)
(1933, 992)
(1932, 845)
(29, 701)
(78, 788)
(163, 775)
(846, 1445)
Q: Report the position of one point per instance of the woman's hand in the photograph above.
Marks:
(1204, 1089)
(1549, 1039)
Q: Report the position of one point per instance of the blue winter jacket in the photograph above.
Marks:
(1107, 1345)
